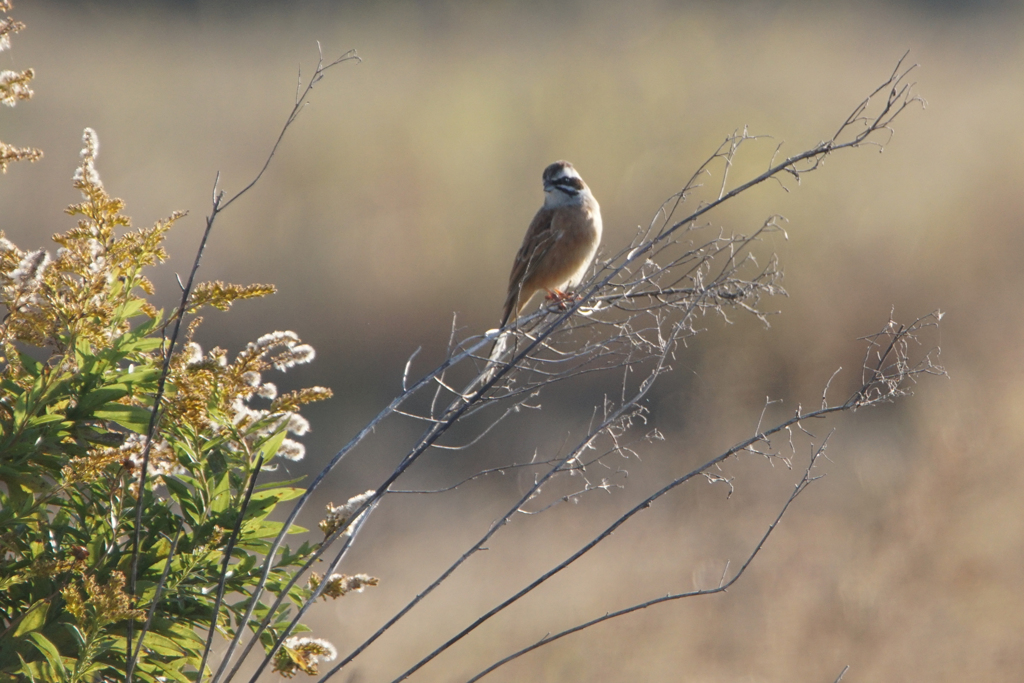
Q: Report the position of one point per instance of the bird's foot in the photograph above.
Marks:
(562, 299)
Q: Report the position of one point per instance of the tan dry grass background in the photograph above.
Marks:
(401, 196)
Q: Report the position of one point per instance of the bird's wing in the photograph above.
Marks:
(540, 237)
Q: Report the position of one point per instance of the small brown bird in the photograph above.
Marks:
(560, 242)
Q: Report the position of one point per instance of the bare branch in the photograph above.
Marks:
(723, 585)
(880, 387)
(629, 318)
(218, 205)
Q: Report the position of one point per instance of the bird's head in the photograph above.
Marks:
(562, 184)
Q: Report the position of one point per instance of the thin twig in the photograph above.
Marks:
(860, 398)
(538, 358)
(223, 579)
(723, 586)
(218, 205)
(156, 601)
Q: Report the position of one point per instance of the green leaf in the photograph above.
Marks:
(41, 420)
(30, 364)
(10, 580)
(27, 402)
(251, 530)
(178, 675)
(183, 495)
(183, 636)
(272, 484)
(268, 449)
(11, 387)
(101, 646)
(76, 633)
(162, 671)
(245, 564)
(145, 375)
(186, 455)
(86, 674)
(132, 308)
(149, 325)
(135, 418)
(280, 494)
(138, 340)
(141, 345)
(34, 619)
(32, 671)
(220, 497)
(162, 645)
(100, 396)
(84, 355)
(50, 653)
(289, 558)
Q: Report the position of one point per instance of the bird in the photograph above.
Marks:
(560, 243)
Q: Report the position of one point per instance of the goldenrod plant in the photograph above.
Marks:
(14, 87)
(83, 350)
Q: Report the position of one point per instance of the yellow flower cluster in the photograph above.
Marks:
(14, 86)
(337, 585)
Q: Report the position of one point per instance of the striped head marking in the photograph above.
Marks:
(562, 177)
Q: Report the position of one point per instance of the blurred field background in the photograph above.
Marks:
(400, 197)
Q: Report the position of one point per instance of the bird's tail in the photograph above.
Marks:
(496, 355)
(500, 345)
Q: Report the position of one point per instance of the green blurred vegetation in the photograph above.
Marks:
(402, 194)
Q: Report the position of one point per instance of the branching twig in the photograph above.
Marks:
(156, 601)
(635, 310)
(222, 583)
(218, 204)
(723, 585)
(892, 376)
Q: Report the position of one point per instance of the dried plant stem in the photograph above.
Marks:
(218, 204)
